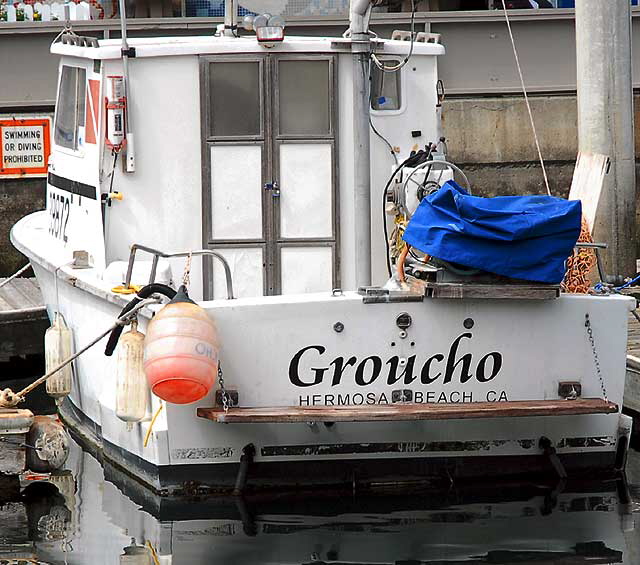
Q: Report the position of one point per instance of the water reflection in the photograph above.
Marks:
(86, 519)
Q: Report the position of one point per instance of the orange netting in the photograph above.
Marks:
(579, 265)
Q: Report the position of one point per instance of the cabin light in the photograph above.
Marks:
(270, 33)
(268, 28)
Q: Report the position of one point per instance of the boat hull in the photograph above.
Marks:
(290, 351)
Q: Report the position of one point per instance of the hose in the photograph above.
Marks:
(144, 292)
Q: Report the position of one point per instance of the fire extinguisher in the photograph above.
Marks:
(115, 103)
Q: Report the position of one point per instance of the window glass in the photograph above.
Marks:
(386, 91)
(71, 107)
(304, 92)
(235, 99)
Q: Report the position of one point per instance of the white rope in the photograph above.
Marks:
(526, 98)
(16, 274)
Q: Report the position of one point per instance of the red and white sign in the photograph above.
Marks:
(25, 145)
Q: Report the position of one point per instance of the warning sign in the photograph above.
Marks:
(24, 147)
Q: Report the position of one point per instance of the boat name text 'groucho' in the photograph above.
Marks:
(369, 369)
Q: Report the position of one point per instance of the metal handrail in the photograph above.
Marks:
(157, 254)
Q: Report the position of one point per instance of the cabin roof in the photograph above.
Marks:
(210, 45)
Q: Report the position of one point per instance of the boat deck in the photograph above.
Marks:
(23, 319)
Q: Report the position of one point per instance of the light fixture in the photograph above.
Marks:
(269, 29)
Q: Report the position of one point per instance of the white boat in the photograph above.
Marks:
(259, 151)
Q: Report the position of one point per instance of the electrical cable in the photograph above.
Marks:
(393, 69)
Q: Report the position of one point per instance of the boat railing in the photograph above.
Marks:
(157, 254)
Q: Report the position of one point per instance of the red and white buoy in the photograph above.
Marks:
(181, 351)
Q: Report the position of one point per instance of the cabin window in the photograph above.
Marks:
(304, 91)
(235, 99)
(386, 91)
(70, 110)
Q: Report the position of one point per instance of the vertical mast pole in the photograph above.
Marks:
(359, 13)
(230, 17)
(605, 121)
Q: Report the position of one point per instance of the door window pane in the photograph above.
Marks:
(306, 184)
(304, 93)
(385, 88)
(306, 269)
(247, 269)
(236, 199)
(234, 89)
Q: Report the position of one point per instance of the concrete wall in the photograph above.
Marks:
(17, 199)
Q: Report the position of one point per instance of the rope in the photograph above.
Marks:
(526, 98)
(153, 421)
(10, 399)
(16, 274)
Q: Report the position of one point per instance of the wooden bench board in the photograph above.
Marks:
(410, 411)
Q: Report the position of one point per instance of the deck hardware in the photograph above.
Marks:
(248, 453)
(338, 327)
(336, 292)
(569, 389)
(402, 334)
(403, 321)
(468, 323)
(157, 254)
(273, 187)
(402, 395)
(549, 451)
(402, 361)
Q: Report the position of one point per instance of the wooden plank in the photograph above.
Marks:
(410, 411)
(19, 294)
(587, 183)
(472, 290)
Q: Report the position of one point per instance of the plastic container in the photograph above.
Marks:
(58, 347)
(181, 351)
(132, 390)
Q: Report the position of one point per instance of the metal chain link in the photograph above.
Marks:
(596, 361)
(223, 393)
(187, 271)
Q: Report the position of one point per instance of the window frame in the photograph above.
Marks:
(403, 88)
(77, 150)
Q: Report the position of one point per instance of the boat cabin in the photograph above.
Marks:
(241, 148)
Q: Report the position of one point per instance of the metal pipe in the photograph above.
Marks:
(230, 18)
(605, 121)
(130, 159)
(248, 453)
(157, 253)
(359, 12)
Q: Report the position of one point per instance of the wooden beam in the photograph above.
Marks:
(410, 411)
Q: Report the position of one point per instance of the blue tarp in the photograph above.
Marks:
(523, 237)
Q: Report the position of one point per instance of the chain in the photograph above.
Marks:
(223, 393)
(596, 361)
(187, 271)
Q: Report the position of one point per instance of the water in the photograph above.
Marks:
(89, 520)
